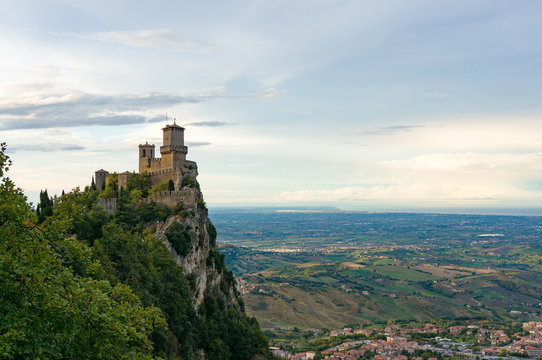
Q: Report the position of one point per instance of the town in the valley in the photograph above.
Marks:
(428, 342)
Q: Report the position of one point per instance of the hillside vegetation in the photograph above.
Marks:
(78, 283)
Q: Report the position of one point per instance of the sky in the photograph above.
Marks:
(356, 104)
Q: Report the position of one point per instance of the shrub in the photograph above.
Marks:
(179, 239)
(178, 208)
(201, 203)
(188, 181)
(212, 233)
(163, 186)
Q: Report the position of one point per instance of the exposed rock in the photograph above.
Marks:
(209, 280)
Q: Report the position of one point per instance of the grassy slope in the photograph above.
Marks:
(329, 295)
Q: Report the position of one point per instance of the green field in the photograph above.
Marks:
(405, 267)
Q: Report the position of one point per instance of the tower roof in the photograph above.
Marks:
(174, 126)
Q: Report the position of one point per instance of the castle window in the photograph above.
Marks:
(151, 153)
(143, 153)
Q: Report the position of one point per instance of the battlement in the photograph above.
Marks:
(155, 161)
(161, 171)
(186, 195)
(171, 166)
(150, 164)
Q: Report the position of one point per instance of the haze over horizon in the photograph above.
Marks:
(357, 105)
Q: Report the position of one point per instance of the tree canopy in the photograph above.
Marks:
(83, 284)
(51, 304)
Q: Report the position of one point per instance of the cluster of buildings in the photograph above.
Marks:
(172, 165)
(245, 287)
(489, 344)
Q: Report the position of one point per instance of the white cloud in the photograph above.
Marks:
(46, 107)
(442, 176)
(145, 38)
(462, 133)
(270, 93)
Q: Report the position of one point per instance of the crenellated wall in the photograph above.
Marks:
(150, 165)
(171, 166)
(171, 198)
(160, 176)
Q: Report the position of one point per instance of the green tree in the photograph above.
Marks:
(179, 238)
(163, 186)
(48, 311)
(45, 206)
(148, 268)
(140, 182)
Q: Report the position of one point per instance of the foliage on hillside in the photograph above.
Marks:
(86, 284)
(52, 303)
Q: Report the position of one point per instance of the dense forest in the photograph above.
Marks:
(79, 283)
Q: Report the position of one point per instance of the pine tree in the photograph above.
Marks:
(45, 207)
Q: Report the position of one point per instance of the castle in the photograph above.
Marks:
(172, 165)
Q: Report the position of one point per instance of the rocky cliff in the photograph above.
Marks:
(162, 245)
(222, 328)
(190, 238)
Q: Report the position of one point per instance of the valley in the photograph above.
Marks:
(326, 270)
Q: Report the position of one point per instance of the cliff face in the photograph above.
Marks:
(164, 247)
(196, 253)
(221, 326)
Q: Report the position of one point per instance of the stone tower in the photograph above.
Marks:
(99, 178)
(146, 154)
(173, 151)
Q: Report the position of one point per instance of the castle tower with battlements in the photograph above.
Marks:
(173, 151)
(172, 165)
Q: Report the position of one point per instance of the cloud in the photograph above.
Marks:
(270, 93)
(460, 177)
(45, 107)
(339, 194)
(145, 38)
(510, 164)
(388, 130)
(76, 108)
(198, 143)
(50, 147)
(210, 123)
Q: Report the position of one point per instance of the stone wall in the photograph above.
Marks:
(150, 165)
(171, 198)
(158, 177)
(109, 205)
(123, 179)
